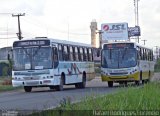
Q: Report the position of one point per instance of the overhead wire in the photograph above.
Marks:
(35, 23)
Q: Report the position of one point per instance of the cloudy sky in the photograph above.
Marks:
(70, 19)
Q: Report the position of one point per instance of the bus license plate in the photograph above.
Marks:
(32, 83)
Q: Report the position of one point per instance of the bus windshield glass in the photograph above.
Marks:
(32, 58)
(119, 58)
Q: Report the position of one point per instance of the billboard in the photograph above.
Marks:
(134, 31)
(114, 31)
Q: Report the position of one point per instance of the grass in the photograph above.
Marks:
(146, 98)
(7, 88)
(131, 98)
(5, 84)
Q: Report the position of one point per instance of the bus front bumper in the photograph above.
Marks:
(131, 77)
(47, 82)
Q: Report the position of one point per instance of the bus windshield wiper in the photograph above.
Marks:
(31, 55)
(124, 53)
(110, 53)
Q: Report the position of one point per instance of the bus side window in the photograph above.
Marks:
(65, 53)
(143, 56)
(70, 53)
(147, 52)
(88, 57)
(149, 55)
(90, 54)
(60, 52)
(85, 54)
(76, 54)
(140, 53)
(81, 54)
(55, 57)
(152, 55)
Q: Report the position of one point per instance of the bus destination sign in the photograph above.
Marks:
(118, 45)
(31, 43)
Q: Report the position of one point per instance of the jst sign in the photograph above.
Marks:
(114, 31)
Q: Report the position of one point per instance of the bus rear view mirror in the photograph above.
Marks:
(9, 55)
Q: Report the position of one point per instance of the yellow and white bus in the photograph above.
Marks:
(124, 62)
(45, 62)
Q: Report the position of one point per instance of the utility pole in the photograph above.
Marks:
(144, 41)
(136, 15)
(19, 34)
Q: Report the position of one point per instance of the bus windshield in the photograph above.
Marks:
(32, 58)
(119, 58)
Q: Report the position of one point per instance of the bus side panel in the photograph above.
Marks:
(74, 71)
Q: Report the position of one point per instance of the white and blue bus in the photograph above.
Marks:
(124, 62)
(45, 62)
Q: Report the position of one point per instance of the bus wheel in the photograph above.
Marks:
(52, 87)
(27, 88)
(77, 85)
(137, 82)
(82, 84)
(148, 80)
(110, 83)
(60, 86)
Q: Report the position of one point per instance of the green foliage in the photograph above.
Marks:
(5, 71)
(7, 88)
(145, 98)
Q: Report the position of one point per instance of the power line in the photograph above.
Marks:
(5, 13)
(8, 38)
(55, 30)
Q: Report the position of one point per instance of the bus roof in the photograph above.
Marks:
(56, 41)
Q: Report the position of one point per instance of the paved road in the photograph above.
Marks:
(43, 98)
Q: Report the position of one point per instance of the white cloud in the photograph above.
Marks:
(34, 7)
(71, 18)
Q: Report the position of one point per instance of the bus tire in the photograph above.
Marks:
(77, 85)
(27, 88)
(149, 77)
(52, 87)
(139, 81)
(60, 86)
(81, 84)
(110, 83)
